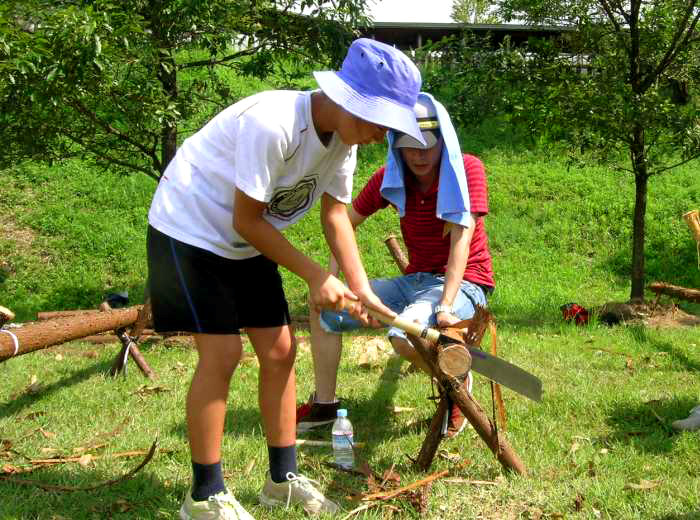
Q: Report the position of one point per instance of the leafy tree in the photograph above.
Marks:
(473, 11)
(618, 85)
(114, 81)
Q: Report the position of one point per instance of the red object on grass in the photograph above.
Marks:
(574, 312)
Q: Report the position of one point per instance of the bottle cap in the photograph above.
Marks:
(342, 412)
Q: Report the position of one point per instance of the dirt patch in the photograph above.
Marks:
(22, 237)
(22, 240)
(648, 314)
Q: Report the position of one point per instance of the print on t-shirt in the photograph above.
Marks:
(287, 202)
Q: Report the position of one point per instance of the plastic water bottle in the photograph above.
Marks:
(342, 440)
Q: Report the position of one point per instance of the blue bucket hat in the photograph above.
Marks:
(377, 83)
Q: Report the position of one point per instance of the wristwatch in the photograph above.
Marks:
(443, 308)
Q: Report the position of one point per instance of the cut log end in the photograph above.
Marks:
(455, 361)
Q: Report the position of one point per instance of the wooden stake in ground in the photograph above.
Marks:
(692, 218)
(6, 315)
(44, 334)
(129, 347)
(397, 253)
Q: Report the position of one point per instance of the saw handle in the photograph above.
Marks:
(416, 329)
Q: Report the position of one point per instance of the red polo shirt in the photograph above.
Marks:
(422, 231)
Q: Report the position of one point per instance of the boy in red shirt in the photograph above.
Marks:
(441, 197)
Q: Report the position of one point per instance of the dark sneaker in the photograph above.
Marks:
(312, 415)
(456, 421)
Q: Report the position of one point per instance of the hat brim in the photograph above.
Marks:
(431, 138)
(375, 109)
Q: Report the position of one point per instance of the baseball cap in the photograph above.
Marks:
(377, 83)
(427, 119)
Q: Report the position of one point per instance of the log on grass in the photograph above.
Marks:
(50, 315)
(44, 334)
(683, 293)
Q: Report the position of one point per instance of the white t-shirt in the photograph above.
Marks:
(267, 147)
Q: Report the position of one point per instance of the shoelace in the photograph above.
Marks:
(304, 483)
(222, 500)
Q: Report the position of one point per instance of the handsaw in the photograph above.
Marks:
(494, 368)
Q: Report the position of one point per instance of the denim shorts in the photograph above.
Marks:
(413, 297)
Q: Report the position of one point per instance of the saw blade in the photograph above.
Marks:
(507, 374)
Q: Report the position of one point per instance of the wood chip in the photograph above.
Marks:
(644, 485)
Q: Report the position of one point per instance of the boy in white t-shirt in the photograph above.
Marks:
(214, 243)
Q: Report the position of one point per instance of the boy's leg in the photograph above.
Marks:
(404, 349)
(276, 350)
(206, 400)
(427, 294)
(322, 406)
(326, 348)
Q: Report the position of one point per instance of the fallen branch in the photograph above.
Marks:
(683, 293)
(397, 253)
(472, 482)
(51, 487)
(388, 495)
(358, 510)
(79, 458)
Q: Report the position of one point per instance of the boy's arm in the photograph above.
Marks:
(338, 228)
(460, 240)
(326, 290)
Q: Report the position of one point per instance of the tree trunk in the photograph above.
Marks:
(167, 75)
(641, 178)
(168, 143)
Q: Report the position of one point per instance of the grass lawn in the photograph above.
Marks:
(598, 446)
(602, 429)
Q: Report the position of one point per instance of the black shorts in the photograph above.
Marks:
(195, 290)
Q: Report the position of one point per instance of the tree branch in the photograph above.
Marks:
(611, 16)
(634, 45)
(675, 45)
(661, 170)
(101, 156)
(221, 61)
(106, 126)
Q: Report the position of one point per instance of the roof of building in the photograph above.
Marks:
(409, 35)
